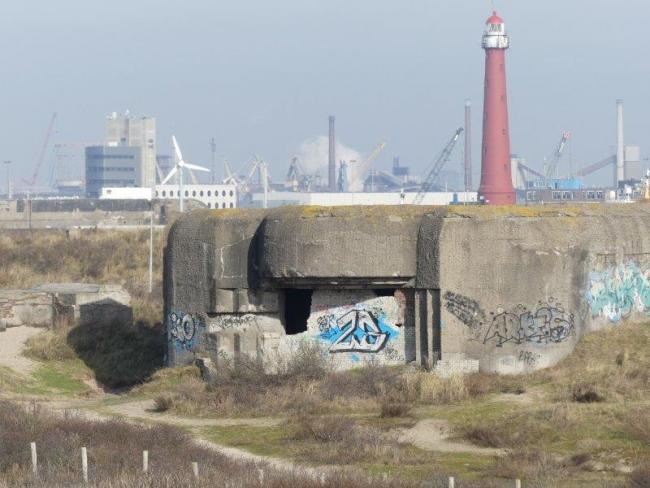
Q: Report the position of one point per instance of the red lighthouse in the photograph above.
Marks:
(496, 178)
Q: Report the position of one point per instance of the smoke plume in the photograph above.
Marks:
(314, 153)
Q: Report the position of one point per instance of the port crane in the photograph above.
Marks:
(365, 166)
(551, 165)
(41, 156)
(438, 165)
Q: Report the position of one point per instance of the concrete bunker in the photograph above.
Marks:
(457, 289)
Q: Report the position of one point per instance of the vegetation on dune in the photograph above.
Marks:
(88, 256)
(115, 456)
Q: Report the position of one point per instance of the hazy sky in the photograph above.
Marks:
(262, 76)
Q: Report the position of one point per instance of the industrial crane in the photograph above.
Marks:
(523, 169)
(41, 156)
(438, 165)
(596, 166)
(365, 166)
(551, 166)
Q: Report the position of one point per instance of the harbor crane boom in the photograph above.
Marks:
(551, 166)
(41, 156)
(438, 165)
(365, 166)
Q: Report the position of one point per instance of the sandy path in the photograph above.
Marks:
(434, 434)
(12, 343)
(144, 409)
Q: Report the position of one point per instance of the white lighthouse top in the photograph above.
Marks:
(495, 36)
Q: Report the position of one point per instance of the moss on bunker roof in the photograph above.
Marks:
(383, 212)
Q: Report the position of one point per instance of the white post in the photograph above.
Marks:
(517, 483)
(261, 473)
(84, 464)
(195, 469)
(452, 482)
(34, 457)
(145, 461)
(151, 251)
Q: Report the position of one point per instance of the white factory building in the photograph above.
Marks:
(212, 196)
(277, 199)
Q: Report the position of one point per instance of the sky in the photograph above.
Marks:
(262, 77)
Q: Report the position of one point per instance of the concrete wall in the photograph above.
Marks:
(518, 293)
(52, 305)
(506, 290)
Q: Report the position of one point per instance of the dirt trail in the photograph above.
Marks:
(144, 409)
(12, 343)
(435, 434)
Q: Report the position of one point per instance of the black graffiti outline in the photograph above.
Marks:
(183, 328)
(548, 324)
(467, 310)
(370, 328)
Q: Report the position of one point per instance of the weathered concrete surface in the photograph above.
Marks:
(53, 304)
(27, 307)
(369, 245)
(518, 291)
(507, 289)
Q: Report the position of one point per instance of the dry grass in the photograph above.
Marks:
(115, 453)
(305, 383)
(120, 355)
(88, 256)
(611, 365)
(50, 345)
(336, 440)
(640, 478)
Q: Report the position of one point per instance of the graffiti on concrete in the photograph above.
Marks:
(617, 292)
(548, 323)
(356, 330)
(465, 309)
(529, 358)
(235, 321)
(183, 329)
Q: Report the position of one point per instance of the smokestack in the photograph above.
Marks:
(619, 174)
(332, 156)
(468, 145)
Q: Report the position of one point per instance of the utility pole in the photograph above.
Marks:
(151, 248)
(265, 176)
(7, 165)
(213, 147)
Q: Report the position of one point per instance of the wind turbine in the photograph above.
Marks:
(178, 168)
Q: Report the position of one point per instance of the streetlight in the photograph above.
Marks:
(8, 164)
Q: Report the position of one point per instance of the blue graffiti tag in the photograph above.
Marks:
(358, 331)
(184, 329)
(619, 291)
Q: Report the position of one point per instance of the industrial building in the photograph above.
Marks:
(278, 199)
(108, 167)
(128, 157)
(212, 196)
(128, 131)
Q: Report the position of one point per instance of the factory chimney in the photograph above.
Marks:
(619, 171)
(332, 156)
(468, 145)
(496, 179)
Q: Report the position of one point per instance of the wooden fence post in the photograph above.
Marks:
(452, 482)
(84, 464)
(145, 461)
(34, 458)
(195, 469)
